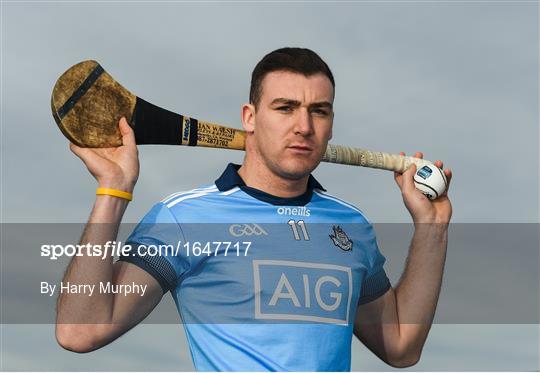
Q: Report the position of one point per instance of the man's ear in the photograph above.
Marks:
(248, 117)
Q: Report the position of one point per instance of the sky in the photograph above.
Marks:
(455, 80)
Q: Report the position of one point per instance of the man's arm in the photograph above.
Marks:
(85, 323)
(395, 326)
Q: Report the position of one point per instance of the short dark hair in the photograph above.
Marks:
(297, 60)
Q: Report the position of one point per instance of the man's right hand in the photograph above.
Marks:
(116, 168)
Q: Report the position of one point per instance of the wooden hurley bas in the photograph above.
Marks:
(87, 104)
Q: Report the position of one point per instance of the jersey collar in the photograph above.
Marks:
(230, 179)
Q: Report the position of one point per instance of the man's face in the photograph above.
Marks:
(293, 122)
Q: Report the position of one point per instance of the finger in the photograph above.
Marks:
(418, 155)
(439, 164)
(408, 179)
(128, 136)
(448, 174)
(87, 155)
(73, 147)
(78, 151)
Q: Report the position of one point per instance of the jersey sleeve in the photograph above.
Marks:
(155, 244)
(376, 282)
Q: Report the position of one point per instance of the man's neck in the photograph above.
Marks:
(257, 175)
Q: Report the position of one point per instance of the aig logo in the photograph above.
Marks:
(287, 290)
(238, 230)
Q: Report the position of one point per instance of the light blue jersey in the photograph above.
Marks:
(263, 282)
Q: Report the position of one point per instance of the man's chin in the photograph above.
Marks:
(297, 169)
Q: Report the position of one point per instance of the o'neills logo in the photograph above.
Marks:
(296, 211)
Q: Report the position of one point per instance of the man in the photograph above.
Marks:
(310, 273)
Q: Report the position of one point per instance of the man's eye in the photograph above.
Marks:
(321, 112)
(284, 108)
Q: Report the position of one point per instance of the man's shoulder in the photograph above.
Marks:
(176, 198)
(339, 205)
(204, 197)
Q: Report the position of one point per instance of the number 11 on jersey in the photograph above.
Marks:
(294, 226)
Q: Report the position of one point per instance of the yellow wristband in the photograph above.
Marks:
(115, 193)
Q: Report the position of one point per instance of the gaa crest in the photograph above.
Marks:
(340, 238)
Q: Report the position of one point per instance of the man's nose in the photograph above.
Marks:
(303, 124)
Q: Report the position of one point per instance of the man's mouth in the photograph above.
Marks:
(301, 148)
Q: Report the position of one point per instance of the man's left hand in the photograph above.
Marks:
(421, 208)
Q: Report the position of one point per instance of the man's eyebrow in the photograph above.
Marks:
(321, 104)
(291, 102)
(286, 101)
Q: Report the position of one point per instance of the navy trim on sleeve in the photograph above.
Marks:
(157, 266)
(374, 287)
